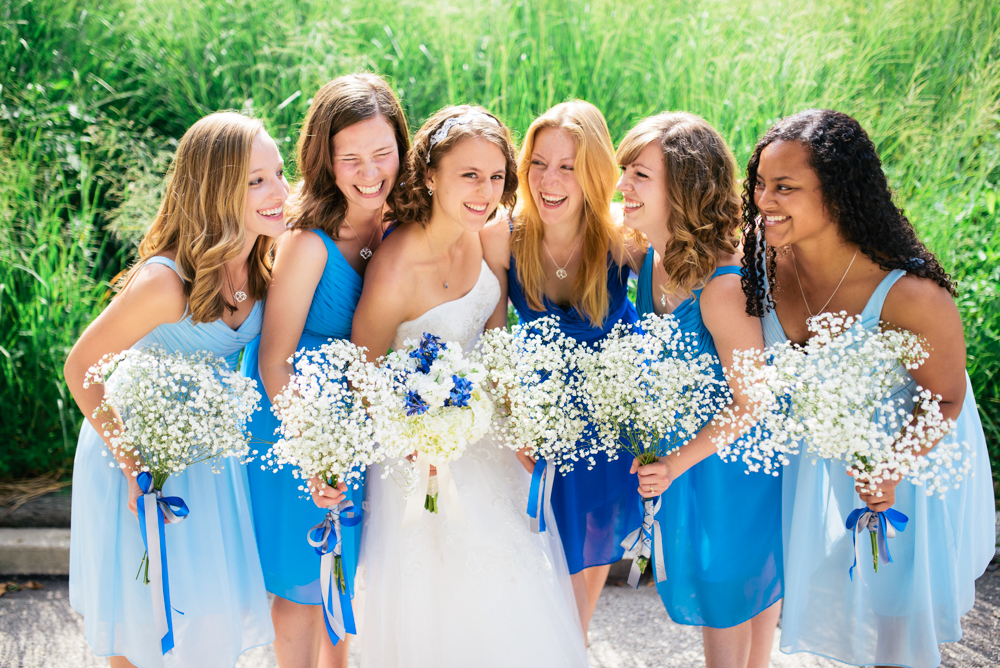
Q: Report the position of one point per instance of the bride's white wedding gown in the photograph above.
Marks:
(483, 592)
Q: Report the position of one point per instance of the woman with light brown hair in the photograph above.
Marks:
(350, 149)
(204, 266)
(562, 253)
(721, 528)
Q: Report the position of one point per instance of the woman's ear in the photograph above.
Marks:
(429, 179)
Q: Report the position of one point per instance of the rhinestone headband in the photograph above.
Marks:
(446, 127)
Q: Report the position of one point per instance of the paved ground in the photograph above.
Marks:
(630, 630)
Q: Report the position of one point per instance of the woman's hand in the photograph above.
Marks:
(877, 503)
(527, 461)
(325, 496)
(654, 479)
(134, 492)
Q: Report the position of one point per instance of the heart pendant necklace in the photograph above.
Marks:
(366, 251)
(561, 272)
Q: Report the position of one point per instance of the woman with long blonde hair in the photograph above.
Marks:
(561, 252)
(350, 149)
(203, 269)
(721, 528)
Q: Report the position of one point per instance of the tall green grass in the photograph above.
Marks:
(922, 76)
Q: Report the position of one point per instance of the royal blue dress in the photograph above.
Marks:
(899, 615)
(721, 526)
(594, 509)
(282, 513)
(216, 588)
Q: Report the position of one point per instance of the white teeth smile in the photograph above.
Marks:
(370, 190)
(476, 207)
(549, 199)
(632, 204)
(776, 219)
(271, 213)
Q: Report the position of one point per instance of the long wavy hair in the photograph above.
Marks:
(413, 201)
(704, 214)
(201, 216)
(316, 202)
(597, 173)
(856, 194)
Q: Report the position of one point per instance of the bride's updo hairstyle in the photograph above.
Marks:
(700, 171)
(201, 216)
(442, 132)
(597, 173)
(856, 196)
(315, 201)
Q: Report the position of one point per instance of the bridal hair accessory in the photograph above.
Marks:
(446, 127)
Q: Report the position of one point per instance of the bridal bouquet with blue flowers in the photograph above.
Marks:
(431, 401)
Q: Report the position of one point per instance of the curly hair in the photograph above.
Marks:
(413, 202)
(856, 194)
(316, 201)
(701, 190)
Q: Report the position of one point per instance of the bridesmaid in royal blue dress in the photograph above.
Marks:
(562, 254)
(864, 259)
(349, 152)
(184, 296)
(721, 527)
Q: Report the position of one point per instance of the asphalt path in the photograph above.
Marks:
(630, 629)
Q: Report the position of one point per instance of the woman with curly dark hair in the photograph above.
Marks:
(822, 234)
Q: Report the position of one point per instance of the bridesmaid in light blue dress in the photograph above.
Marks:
(721, 528)
(866, 261)
(216, 588)
(350, 148)
(563, 254)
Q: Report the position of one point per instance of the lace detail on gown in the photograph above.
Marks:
(484, 591)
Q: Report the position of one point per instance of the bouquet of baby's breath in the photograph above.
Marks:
(837, 395)
(324, 429)
(533, 371)
(649, 393)
(429, 399)
(177, 409)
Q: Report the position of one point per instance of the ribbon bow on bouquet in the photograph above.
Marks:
(645, 544)
(337, 611)
(880, 526)
(153, 508)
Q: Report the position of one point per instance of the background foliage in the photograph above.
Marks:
(95, 93)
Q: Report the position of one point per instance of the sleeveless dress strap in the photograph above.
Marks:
(167, 262)
(719, 271)
(510, 220)
(873, 309)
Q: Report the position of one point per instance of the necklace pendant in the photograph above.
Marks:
(240, 296)
(445, 286)
(366, 253)
(561, 274)
(663, 301)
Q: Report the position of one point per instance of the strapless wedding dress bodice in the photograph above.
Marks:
(477, 590)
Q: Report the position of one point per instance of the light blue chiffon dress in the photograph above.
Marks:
(721, 526)
(282, 513)
(216, 588)
(899, 615)
(594, 509)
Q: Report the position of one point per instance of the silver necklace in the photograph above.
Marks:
(366, 251)
(799, 281)
(561, 272)
(436, 264)
(238, 295)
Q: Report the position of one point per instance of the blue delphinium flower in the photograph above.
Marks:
(414, 404)
(426, 352)
(460, 393)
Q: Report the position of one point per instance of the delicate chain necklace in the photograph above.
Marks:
(366, 251)
(561, 272)
(799, 281)
(238, 295)
(436, 264)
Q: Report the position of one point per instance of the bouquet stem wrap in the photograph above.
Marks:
(881, 526)
(338, 614)
(152, 508)
(540, 493)
(645, 544)
(447, 494)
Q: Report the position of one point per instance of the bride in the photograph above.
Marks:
(480, 589)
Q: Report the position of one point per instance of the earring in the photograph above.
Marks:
(430, 192)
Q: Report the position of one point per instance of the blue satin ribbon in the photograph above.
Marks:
(883, 524)
(338, 614)
(540, 493)
(646, 541)
(152, 509)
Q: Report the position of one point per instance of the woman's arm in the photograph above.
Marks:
(495, 239)
(386, 299)
(723, 310)
(154, 297)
